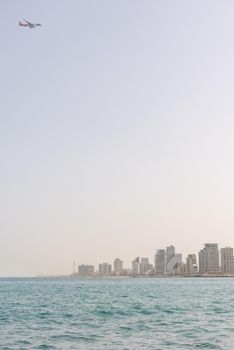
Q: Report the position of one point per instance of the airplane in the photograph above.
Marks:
(28, 24)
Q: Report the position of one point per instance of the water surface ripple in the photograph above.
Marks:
(115, 313)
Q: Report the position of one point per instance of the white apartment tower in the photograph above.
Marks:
(209, 258)
(145, 266)
(191, 263)
(174, 263)
(104, 269)
(170, 252)
(136, 266)
(160, 261)
(226, 255)
(173, 260)
(118, 266)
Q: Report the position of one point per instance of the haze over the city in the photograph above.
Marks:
(116, 131)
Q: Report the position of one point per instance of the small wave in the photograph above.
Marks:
(126, 328)
(24, 342)
(43, 314)
(104, 313)
(44, 346)
(207, 345)
(73, 338)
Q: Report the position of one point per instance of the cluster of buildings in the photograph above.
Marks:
(210, 261)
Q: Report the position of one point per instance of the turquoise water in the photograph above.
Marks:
(160, 314)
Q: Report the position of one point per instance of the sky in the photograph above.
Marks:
(116, 131)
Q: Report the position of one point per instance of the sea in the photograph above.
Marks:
(117, 313)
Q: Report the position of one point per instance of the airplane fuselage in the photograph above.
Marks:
(28, 24)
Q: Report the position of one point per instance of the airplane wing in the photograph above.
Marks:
(27, 22)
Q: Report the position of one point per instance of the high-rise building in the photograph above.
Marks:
(160, 261)
(85, 270)
(202, 261)
(170, 252)
(174, 263)
(209, 258)
(104, 269)
(145, 266)
(136, 266)
(118, 266)
(173, 260)
(191, 263)
(226, 255)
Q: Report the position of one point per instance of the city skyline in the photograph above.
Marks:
(209, 259)
(116, 130)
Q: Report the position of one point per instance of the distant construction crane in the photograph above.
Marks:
(74, 268)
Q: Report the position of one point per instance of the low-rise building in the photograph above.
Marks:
(85, 270)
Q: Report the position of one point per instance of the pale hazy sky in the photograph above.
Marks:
(116, 130)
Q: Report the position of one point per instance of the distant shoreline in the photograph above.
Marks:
(158, 276)
(120, 277)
